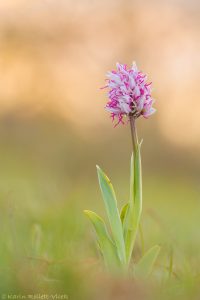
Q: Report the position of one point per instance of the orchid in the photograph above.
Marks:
(129, 96)
(129, 93)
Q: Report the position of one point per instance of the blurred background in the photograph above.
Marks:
(54, 129)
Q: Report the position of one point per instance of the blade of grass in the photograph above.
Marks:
(144, 267)
(171, 263)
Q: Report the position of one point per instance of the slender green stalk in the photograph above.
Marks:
(133, 133)
(135, 203)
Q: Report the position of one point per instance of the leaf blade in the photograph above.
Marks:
(107, 247)
(112, 212)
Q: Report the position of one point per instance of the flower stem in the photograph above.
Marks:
(133, 133)
(133, 217)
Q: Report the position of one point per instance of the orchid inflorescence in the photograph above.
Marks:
(129, 96)
(129, 93)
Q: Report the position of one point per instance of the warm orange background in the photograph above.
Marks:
(54, 54)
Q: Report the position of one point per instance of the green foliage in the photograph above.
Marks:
(108, 248)
(112, 212)
(124, 227)
(144, 267)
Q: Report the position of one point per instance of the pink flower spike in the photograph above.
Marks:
(129, 93)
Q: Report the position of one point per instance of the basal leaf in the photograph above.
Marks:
(112, 212)
(107, 247)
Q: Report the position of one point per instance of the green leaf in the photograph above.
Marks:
(144, 267)
(132, 218)
(107, 247)
(123, 212)
(112, 212)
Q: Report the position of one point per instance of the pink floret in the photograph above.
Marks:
(129, 93)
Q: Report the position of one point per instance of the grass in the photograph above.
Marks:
(47, 245)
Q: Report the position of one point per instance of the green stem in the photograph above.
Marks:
(134, 209)
(133, 133)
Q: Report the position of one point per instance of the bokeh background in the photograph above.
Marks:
(54, 129)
